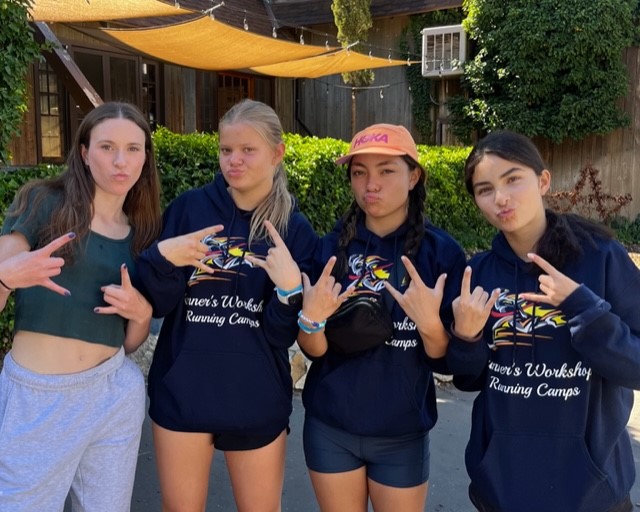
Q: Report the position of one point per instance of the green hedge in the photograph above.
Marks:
(321, 188)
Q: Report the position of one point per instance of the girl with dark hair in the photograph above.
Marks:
(369, 408)
(71, 404)
(547, 329)
(225, 277)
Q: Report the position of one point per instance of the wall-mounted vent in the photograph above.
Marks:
(444, 50)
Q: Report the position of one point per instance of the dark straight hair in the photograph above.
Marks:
(566, 233)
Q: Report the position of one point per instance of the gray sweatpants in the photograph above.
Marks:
(78, 432)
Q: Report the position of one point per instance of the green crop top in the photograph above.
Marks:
(97, 263)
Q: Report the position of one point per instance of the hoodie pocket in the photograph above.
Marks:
(368, 397)
(216, 392)
(541, 473)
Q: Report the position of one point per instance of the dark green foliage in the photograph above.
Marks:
(19, 50)
(449, 205)
(628, 232)
(551, 68)
(184, 161)
(320, 187)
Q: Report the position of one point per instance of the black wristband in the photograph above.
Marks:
(5, 286)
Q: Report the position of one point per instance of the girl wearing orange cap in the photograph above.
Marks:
(370, 397)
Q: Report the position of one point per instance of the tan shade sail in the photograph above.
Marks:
(99, 10)
(208, 44)
(328, 64)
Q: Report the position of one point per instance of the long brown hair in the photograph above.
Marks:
(76, 188)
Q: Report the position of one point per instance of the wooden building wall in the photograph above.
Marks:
(616, 155)
(325, 103)
(284, 103)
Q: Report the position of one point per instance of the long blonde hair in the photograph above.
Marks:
(279, 204)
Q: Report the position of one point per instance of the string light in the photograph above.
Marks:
(381, 95)
(271, 20)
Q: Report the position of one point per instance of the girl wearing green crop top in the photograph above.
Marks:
(71, 404)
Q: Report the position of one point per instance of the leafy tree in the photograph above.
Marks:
(19, 50)
(353, 21)
(551, 68)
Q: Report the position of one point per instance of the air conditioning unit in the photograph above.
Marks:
(444, 50)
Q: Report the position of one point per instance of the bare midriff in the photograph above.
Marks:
(47, 354)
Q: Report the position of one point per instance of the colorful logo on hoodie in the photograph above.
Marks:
(368, 274)
(531, 317)
(226, 255)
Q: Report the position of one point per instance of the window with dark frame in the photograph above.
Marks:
(51, 109)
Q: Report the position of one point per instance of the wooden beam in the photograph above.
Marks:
(67, 70)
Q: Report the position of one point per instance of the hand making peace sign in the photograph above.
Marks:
(279, 264)
(189, 249)
(554, 285)
(471, 309)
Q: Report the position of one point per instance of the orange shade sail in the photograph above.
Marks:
(328, 64)
(205, 43)
(71, 11)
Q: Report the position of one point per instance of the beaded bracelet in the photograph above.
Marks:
(313, 324)
(307, 329)
(2, 283)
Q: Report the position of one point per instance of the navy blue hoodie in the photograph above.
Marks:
(387, 390)
(549, 424)
(221, 362)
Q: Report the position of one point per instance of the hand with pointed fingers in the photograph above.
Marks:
(419, 302)
(278, 264)
(471, 309)
(189, 250)
(323, 298)
(36, 268)
(124, 300)
(554, 285)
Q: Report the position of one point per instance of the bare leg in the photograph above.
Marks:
(257, 476)
(341, 492)
(184, 466)
(392, 499)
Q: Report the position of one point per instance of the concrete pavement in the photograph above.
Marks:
(448, 478)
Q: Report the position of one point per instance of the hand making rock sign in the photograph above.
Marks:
(278, 264)
(36, 268)
(189, 249)
(422, 306)
(471, 309)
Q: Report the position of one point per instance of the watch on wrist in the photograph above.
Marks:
(291, 299)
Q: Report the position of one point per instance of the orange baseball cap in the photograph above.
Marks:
(381, 139)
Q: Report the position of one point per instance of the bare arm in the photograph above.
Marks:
(22, 268)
